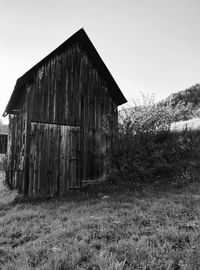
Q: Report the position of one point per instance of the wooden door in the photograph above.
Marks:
(55, 159)
(70, 158)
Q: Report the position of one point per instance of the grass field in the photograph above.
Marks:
(109, 227)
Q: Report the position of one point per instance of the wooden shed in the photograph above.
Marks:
(62, 115)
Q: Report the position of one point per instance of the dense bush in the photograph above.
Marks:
(145, 148)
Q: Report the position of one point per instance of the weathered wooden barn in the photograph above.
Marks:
(62, 114)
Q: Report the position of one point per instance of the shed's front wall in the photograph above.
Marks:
(68, 91)
(61, 85)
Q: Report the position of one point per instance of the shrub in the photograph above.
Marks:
(145, 148)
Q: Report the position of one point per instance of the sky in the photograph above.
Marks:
(149, 46)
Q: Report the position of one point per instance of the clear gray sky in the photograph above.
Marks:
(148, 45)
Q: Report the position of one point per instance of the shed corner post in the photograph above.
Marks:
(27, 118)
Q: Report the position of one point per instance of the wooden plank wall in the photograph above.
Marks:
(55, 161)
(68, 91)
(16, 145)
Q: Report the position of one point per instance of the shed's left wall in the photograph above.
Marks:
(16, 154)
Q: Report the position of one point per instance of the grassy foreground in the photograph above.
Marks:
(119, 227)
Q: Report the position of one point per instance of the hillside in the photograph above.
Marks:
(190, 95)
(186, 102)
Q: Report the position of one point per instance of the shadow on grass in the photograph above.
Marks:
(92, 193)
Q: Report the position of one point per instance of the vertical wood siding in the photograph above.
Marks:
(16, 151)
(55, 159)
(66, 91)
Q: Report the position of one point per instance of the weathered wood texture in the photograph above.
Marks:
(54, 159)
(15, 153)
(66, 92)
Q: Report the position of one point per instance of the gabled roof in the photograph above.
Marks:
(81, 37)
